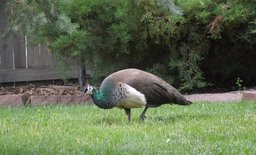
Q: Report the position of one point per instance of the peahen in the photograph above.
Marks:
(134, 88)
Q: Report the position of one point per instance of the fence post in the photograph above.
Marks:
(26, 51)
(13, 54)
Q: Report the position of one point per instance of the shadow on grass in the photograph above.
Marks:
(111, 121)
(179, 118)
(163, 119)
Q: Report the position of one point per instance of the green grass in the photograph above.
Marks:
(200, 128)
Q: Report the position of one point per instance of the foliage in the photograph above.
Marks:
(239, 83)
(197, 129)
(191, 42)
(231, 52)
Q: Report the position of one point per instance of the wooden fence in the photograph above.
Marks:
(19, 61)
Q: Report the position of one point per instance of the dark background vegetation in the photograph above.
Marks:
(192, 44)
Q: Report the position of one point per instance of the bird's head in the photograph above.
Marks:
(88, 89)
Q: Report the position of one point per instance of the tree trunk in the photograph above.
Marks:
(82, 74)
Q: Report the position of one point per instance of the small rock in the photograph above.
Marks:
(13, 100)
(60, 99)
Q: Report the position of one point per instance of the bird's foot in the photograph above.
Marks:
(143, 117)
(128, 113)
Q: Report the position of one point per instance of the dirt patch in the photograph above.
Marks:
(234, 96)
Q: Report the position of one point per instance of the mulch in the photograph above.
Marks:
(42, 90)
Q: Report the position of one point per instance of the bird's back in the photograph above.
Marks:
(156, 90)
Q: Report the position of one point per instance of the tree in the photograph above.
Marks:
(113, 33)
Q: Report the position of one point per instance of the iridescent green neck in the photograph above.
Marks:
(98, 95)
(100, 99)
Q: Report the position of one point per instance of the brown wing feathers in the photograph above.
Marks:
(156, 90)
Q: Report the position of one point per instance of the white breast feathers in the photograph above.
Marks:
(132, 98)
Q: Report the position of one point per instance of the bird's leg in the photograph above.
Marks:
(128, 113)
(142, 116)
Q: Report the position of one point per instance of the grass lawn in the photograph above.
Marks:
(201, 128)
